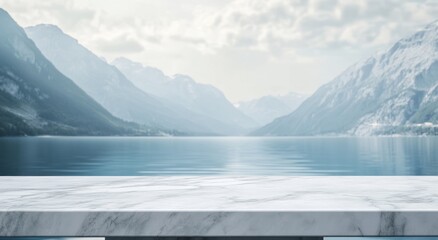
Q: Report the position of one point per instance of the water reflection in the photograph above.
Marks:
(219, 156)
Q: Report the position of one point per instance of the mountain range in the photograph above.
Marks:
(392, 92)
(37, 99)
(109, 87)
(182, 90)
(267, 108)
(50, 84)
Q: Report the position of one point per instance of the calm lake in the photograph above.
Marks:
(33, 156)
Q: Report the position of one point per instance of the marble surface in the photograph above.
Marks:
(219, 206)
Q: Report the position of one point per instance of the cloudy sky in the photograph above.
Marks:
(246, 48)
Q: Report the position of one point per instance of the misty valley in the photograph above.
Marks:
(50, 84)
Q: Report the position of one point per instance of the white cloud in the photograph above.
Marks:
(275, 26)
(283, 25)
(66, 13)
(119, 45)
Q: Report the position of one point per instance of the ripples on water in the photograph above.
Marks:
(219, 156)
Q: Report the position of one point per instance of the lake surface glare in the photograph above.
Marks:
(137, 156)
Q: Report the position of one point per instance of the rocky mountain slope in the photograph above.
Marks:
(108, 86)
(392, 92)
(36, 99)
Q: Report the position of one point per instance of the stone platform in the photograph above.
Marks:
(218, 207)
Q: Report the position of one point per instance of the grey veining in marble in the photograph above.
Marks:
(219, 206)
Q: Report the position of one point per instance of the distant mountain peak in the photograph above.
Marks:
(267, 108)
(51, 31)
(126, 62)
(48, 26)
(183, 78)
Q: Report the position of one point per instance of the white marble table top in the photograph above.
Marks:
(219, 206)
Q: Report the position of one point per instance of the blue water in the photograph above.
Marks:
(31, 156)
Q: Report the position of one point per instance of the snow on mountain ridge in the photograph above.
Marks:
(393, 88)
(405, 54)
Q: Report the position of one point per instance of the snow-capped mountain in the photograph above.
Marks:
(35, 98)
(109, 87)
(183, 90)
(391, 92)
(268, 108)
